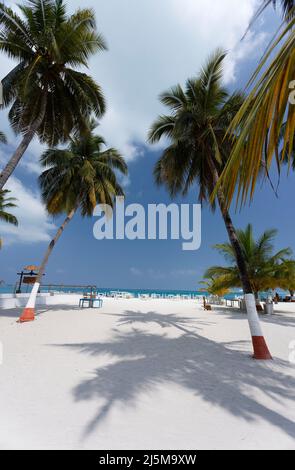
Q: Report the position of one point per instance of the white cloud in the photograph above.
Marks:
(136, 272)
(184, 273)
(124, 180)
(253, 45)
(156, 274)
(34, 224)
(155, 44)
(152, 45)
(31, 160)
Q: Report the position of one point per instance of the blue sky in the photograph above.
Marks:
(132, 74)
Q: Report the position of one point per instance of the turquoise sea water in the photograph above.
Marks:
(9, 289)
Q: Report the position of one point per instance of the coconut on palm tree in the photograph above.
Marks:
(76, 179)
(266, 269)
(198, 150)
(7, 203)
(48, 96)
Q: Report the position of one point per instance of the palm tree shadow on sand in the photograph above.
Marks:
(279, 317)
(218, 372)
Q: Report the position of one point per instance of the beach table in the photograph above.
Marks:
(91, 302)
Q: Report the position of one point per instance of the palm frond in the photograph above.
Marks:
(82, 175)
(162, 127)
(49, 45)
(266, 269)
(195, 130)
(7, 202)
(259, 121)
(287, 7)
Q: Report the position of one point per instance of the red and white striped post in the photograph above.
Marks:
(29, 311)
(261, 350)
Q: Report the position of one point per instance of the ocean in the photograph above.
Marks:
(9, 289)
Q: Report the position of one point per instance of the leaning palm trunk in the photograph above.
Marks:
(261, 350)
(19, 152)
(29, 311)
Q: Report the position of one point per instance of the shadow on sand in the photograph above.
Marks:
(40, 310)
(218, 372)
(280, 317)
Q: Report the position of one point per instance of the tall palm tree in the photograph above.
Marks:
(7, 203)
(48, 97)
(259, 122)
(265, 268)
(196, 128)
(78, 178)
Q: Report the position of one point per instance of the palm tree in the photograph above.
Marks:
(259, 122)
(286, 277)
(7, 203)
(78, 178)
(196, 129)
(266, 269)
(48, 97)
(214, 286)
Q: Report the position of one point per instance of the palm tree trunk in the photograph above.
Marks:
(27, 139)
(29, 311)
(261, 350)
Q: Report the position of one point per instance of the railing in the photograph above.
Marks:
(65, 289)
(235, 303)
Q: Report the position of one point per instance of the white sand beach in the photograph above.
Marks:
(145, 375)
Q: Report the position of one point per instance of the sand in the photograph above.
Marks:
(145, 375)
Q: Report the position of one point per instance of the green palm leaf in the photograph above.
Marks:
(46, 93)
(266, 269)
(195, 129)
(6, 203)
(259, 121)
(83, 175)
